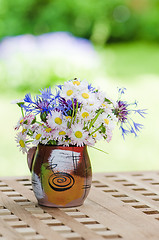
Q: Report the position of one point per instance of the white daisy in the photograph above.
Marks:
(85, 96)
(113, 117)
(104, 119)
(97, 136)
(109, 135)
(56, 120)
(25, 130)
(29, 119)
(47, 135)
(60, 134)
(76, 82)
(101, 95)
(21, 139)
(107, 121)
(90, 141)
(78, 135)
(48, 130)
(34, 126)
(19, 123)
(67, 120)
(25, 121)
(66, 142)
(106, 107)
(80, 84)
(85, 114)
(68, 91)
(39, 135)
(93, 105)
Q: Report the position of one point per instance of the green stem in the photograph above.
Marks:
(95, 118)
(75, 112)
(99, 149)
(22, 112)
(39, 123)
(29, 141)
(31, 132)
(96, 130)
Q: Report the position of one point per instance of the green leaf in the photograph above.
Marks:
(34, 120)
(43, 116)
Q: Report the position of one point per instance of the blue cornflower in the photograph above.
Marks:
(121, 91)
(46, 93)
(137, 126)
(60, 86)
(57, 96)
(28, 98)
(41, 104)
(141, 112)
(65, 106)
(132, 130)
(124, 131)
(90, 88)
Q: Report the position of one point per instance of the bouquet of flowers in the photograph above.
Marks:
(75, 114)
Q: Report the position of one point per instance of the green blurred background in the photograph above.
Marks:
(109, 43)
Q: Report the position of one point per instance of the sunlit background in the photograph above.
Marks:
(109, 43)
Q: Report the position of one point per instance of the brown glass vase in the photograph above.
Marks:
(61, 176)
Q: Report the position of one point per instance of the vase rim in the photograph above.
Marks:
(56, 146)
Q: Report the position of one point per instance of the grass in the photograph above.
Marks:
(128, 61)
(132, 65)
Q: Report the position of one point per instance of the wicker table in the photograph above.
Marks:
(119, 206)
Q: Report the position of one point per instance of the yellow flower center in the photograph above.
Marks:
(58, 120)
(24, 130)
(38, 136)
(106, 121)
(68, 141)
(68, 117)
(85, 114)
(62, 133)
(78, 134)
(104, 105)
(95, 135)
(76, 83)
(22, 144)
(85, 95)
(69, 92)
(48, 130)
(21, 121)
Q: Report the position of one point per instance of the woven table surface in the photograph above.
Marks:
(119, 206)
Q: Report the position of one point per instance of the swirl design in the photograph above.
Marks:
(61, 181)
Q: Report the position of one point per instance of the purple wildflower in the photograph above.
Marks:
(66, 107)
(123, 112)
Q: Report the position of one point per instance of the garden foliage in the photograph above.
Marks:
(101, 21)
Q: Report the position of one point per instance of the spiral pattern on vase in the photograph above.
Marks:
(61, 181)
